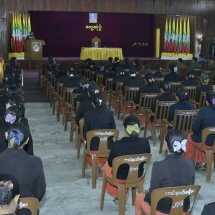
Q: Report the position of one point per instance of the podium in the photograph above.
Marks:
(34, 49)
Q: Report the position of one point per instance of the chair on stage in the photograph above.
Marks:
(133, 182)
(177, 200)
(209, 152)
(96, 42)
(103, 152)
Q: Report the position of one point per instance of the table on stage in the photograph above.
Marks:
(100, 53)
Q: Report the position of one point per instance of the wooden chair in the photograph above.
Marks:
(142, 78)
(31, 204)
(107, 88)
(114, 94)
(96, 42)
(177, 194)
(202, 100)
(126, 101)
(146, 101)
(99, 79)
(170, 64)
(74, 126)
(103, 151)
(91, 75)
(183, 121)
(59, 98)
(158, 81)
(191, 91)
(209, 153)
(161, 112)
(87, 73)
(80, 137)
(183, 71)
(132, 181)
(175, 86)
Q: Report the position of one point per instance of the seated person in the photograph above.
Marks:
(61, 74)
(205, 87)
(182, 104)
(195, 64)
(86, 65)
(136, 65)
(71, 82)
(86, 103)
(166, 95)
(116, 64)
(119, 78)
(28, 169)
(13, 115)
(132, 80)
(173, 171)
(130, 144)
(201, 58)
(84, 82)
(157, 72)
(147, 88)
(173, 76)
(204, 119)
(126, 65)
(109, 65)
(108, 74)
(189, 80)
(144, 70)
(50, 66)
(180, 63)
(9, 194)
(98, 118)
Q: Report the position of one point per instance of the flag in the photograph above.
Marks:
(176, 50)
(166, 36)
(29, 24)
(16, 34)
(169, 36)
(13, 36)
(180, 37)
(187, 50)
(173, 35)
(19, 23)
(184, 39)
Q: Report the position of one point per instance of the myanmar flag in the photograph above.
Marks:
(169, 47)
(184, 42)
(176, 50)
(187, 49)
(166, 36)
(180, 37)
(173, 36)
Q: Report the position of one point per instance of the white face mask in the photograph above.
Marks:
(176, 69)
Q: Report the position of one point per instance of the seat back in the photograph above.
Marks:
(142, 78)
(99, 79)
(91, 75)
(130, 93)
(96, 42)
(202, 100)
(67, 94)
(87, 73)
(133, 161)
(182, 72)
(175, 86)
(118, 88)
(170, 64)
(60, 90)
(205, 133)
(31, 204)
(162, 110)
(183, 120)
(146, 101)
(177, 194)
(103, 135)
(108, 84)
(191, 91)
(158, 81)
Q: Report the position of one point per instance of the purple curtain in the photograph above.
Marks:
(65, 32)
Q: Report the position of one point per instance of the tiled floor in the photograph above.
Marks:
(69, 194)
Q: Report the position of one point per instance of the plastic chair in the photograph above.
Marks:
(132, 180)
(177, 194)
(183, 121)
(31, 204)
(209, 152)
(103, 151)
(161, 112)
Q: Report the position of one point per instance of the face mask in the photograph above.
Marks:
(175, 69)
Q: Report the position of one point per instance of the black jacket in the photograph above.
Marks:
(172, 77)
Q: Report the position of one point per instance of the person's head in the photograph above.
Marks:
(121, 72)
(132, 74)
(136, 61)
(88, 61)
(110, 60)
(190, 75)
(145, 64)
(132, 126)
(174, 68)
(201, 55)
(84, 83)
(116, 59)
(17, 135)
(157, 68)
(61, 69)
(165, 86)
(9, 193)
(180, 60)
(12, 114)
(72, 73)
(175, 141)
(149, 78)
(182, 94)
(194, 59)
(12, 91)
(13, 101)
(51, 60)
(13, 60)
(31, 33)
(98, 100)
(211, 98)
(93, 89)
(126, 60)
(204, 78)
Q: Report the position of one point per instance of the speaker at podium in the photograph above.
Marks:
(34, 49)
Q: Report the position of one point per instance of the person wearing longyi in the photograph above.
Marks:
(130, 144)
(173, 171)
